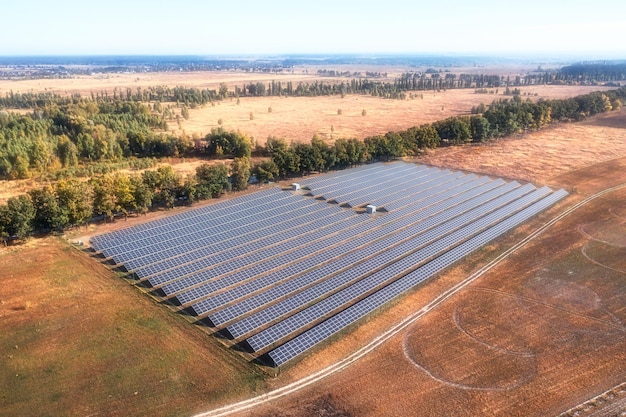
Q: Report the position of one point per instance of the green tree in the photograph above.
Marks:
(41, 155)
(67, 151)
(480, 128)
(17, 217)
(185, 112)
(48, 213)
(240, 173)
(103, 196)
(20, 167)
(285, 157)
(124, 193)
(394, 145)
(385, 147)
(223, 142)
(166, 186)
(454, 130)
(211, 180)
(75, 200)
(86, 146)
(188, 191)
(341, 153)
(616, 104)
(142, 195)
(4, 224)
(306, 157)
(323, 155)
(223, 91)
(266, 170)
(357, 152)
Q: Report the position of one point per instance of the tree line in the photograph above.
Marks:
(67, 132)
(73, 202)
(373, 83)
(504, 117)
(593, 73)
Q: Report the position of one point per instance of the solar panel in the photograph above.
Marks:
(115, 238)
(349, 240)
(283, 271)
(305, 341)
(396, 262)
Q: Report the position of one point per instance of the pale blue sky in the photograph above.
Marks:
(205, 27)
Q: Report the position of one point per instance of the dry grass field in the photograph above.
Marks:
(540, 157)
(539, 334)
(294, 118)
(98, 82)
(300, 118)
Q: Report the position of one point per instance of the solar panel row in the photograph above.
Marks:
(349, 175)
(260, 262)
(284, 271)
(113, 238)
(348, 236)
(230, 240)
(340, 321)
(198, 253)
(193, 231)
(172, 274)
(386, 251)
(380, 180)
(395, 263)
(365, 243)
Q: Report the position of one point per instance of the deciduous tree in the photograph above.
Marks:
(240, 173)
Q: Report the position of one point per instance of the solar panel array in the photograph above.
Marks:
(280, 271)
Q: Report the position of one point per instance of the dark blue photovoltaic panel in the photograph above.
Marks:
(412, 239)
(396, 263)
(239, 245)
(283, 270)
(197, 230)
(336, 323)
(426, 209)
(128, 235)
(245, 232)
